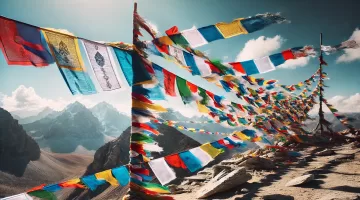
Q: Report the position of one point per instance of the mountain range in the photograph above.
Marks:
(83, 130)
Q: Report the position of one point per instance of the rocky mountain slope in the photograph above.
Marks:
(17, 149)
(116, 153)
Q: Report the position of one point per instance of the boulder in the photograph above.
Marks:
(196, 178)
(300, 180)
(218, 168)
(326, 152)
(258, 163)
(233, 161)
(223, 182)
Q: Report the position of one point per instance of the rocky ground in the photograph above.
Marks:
(323, 173)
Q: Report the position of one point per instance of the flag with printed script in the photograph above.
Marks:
(99, 57)
(67, 54)
(22, 44)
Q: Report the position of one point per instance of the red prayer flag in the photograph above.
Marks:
(22, 44)
(287, 54)
(175, 161)
(213, 68)
(145, 127)
(40, 187)
(138, 148)
(169, 83)
(193, 88)
(172, 31)
(140, 171)
(226, 144)
(238, 67)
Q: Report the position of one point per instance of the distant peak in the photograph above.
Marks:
(76, 104)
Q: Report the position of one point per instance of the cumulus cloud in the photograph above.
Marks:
(25, 100)
(262, 46)
(292, 64)
(351, 54)
(344, 104)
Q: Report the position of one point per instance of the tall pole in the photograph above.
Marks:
(321, 113)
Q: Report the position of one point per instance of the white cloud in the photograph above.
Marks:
(25, 101)
(341, 103)
(262, 46)
(292, 64)
(351, 54)
(346, 104)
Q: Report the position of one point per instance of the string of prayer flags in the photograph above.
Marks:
(342, 118)
(66, 52)
(349, 44)
(99, 57)
(196, 37)
(22, 44)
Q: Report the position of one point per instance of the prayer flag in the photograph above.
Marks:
(202, 66)
(74, 183)
(23, 45)
(211, 33)
(249, 67)
(122, 175)
(260, 21)
(153, 93)
(162, 170)
(52, 188)
(159, 74)
(191, 162)
(22, 196)
(107, 176)
(42, 194)
(190, 61)
(184, 90)
(194, 37)
(213, 152)
(277, 59)
(92, 182)
(145, 106)
(178, 54)
(231, 29)
(264, 64)
(204, 157)
(169, 83)
(99, 57)
(68, 58)
(175, 161)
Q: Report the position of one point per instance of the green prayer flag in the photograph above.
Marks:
(42, 194)
(204, 96)
(184, 90)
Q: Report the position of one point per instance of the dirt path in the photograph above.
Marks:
(336, 177)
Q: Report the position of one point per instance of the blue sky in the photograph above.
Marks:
(111, 20)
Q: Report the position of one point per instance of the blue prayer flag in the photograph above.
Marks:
(250, 67)
(210, 33)
(91, 182)
(122, 175)
(191, 162)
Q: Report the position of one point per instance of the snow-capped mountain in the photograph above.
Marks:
(113, 122)
(74, 126)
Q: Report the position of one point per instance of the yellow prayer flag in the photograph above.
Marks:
(228, 77)
(146, 106)
(212, 151)
(165, 40)
(202, 108)
(242, 136)
(107, 176)
(231, 29)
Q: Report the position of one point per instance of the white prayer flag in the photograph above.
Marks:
(194, 37)
(204, 157)
(203, 67)
(178, 54)
(22, 196)
(264, 64)
(162, 170)
(98, 55)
